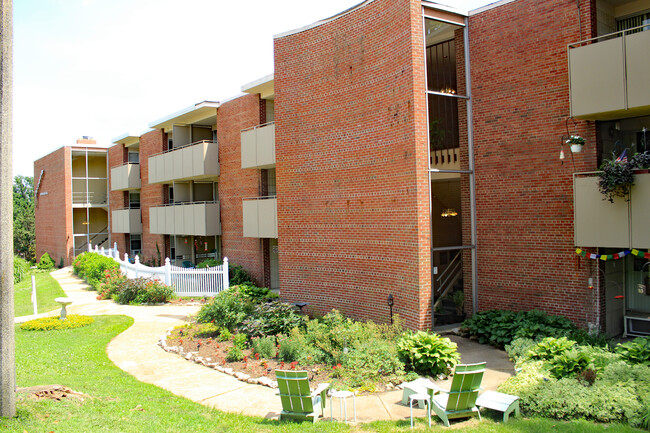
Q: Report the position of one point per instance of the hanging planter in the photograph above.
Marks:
(575, 142)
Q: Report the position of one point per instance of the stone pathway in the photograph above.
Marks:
(136, 352)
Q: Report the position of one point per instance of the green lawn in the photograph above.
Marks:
(47, 289)
(77, 358)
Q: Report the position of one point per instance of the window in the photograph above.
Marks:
(134, 200)
(134, 157)
(136, 244)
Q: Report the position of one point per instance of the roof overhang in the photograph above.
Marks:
(263, 86)
(126, 139)
(203, 113)
(444, 13)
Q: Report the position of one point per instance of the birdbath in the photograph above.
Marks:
(64, 303)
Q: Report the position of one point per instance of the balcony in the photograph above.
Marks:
(609, 75)
(126, 221)
(599, 223)
(258, 146)
(125, 177)
(260, 217)
(194, 161)
(193, 218)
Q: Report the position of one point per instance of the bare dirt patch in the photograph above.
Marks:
(53, 392)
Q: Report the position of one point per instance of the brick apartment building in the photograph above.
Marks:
(71, 192)
(408, 151)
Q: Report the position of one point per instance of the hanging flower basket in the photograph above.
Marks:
(575, 142)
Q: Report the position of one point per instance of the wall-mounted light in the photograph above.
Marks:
(449, 212)
(390, 305)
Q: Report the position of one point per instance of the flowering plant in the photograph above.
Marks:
(576, 139)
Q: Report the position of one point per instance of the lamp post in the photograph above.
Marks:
(390, 305)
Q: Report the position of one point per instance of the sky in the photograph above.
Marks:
(102, 68)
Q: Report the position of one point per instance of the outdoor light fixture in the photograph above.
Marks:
(390, 305)
(590, 282)
(561, 154)
(449, 212)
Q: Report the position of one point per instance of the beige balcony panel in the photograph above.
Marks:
(637, 47)
(250, 221)
(597, 78)
(199, 161)
(200, 219)
(597, 222)
(640, 210)
(125, 177)
(126, 221)
(258, 147)
(260, 218)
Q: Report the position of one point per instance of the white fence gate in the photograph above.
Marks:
(185, 281)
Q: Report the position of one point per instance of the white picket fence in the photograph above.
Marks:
(185, 281)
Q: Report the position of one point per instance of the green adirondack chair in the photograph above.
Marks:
(460, 400)
(299, 402)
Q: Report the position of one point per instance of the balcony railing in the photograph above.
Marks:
(195, 161)
(599, 223)
(125, 177)
(258, 146)
(191, 218)
(126, 221)
(609, 75)
(260, 217)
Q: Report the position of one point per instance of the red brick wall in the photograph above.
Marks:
(352, 164)
(520, 88)
(53, 213)
(151, 143)
(236, 183)
(116, 157)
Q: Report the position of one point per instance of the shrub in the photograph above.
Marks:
(427, 353)
(228, 309)
(239, 340)
(570, 364)
(500, 327)
(113, 282)
(235, 354)
(256, 294)
(265, 346)
(209, 263)
(142, 291)
(45, 263)
(376, 360)
(271, 319)
(519, 347)
(549, 348)
(225, 335)
(92, 267)
(291, 348)
(54, 323)
(238, 275)
(636, 351)
(21, 269)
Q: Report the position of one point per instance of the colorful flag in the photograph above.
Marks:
(622, 157)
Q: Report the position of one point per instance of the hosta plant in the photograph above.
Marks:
(428, 354)
(636, 351)
(549, 348)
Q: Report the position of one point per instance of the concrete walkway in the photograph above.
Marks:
(136, 352)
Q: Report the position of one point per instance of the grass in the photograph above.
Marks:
(77, 358)
(47, 289)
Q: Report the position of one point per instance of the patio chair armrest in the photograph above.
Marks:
(321, 388)
(435, 389)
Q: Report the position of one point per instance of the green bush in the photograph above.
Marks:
(21, 269)
(225, 335)
(54, 323)
(112, 284)
(238, 275)
(500, 327)
(209, 263)
(92, 267)
(636, 351)
(549, 348)
(235, 354)
(571, 363)
(256, 294)
(228, 309)
(240, 340)
(375, 361)
(291, 348)
(265, 346)
(143, 291)
(45, 263)
(518, 348)
(272, 318)
(427, 353)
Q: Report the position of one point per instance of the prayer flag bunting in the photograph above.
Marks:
(619, 255)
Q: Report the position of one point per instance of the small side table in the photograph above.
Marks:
(500, 402)
(64, 303)
(426, 398)
(300, 306)
(342, 395)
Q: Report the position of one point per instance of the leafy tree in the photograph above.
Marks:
(24, 237)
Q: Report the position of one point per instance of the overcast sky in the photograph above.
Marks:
(106, 67)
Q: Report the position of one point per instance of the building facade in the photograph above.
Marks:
(409, 158)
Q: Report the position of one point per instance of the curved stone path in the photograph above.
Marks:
(136, 351)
